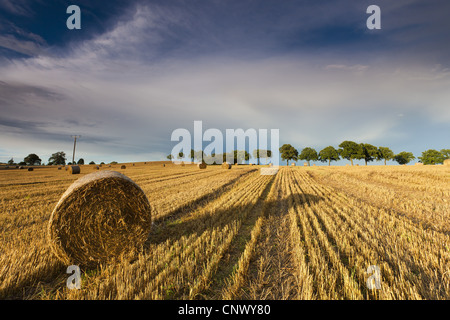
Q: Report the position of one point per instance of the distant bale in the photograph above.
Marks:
(133, 164)
(182, 164)
(447, 162)
(123, 167)
(164, 165)
(96, 167)
(293, 164)
(357, 165)
(59, 168)
(270, 165)
(305, 164)
(201, 165)
(101, 217)
(74, 169)
(314, 164)
(21, 168)
(226, 165)
(30, 169)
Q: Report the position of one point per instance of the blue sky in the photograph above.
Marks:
(137, 70)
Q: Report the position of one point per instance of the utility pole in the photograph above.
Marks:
(74, 145)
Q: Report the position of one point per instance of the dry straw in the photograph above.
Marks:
(201, 165)
(226, 165)
(74, 169)
(100, 218)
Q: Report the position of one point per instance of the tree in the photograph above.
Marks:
(350, 150)
(288, 153)
(80, 161)
(92, 162)
(308, 154)
(58, 158)
(404, 157)
(446, 153)
(32, 159)
(262, 154)
(11, 161)
(431, 156)
(369, 152)
(385, 153)
(170, 157)
(329, 154)
(180, 155)
(113, 162)
(199, 156)
(102, 162)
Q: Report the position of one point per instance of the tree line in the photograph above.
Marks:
(351, 150)
(57, 158)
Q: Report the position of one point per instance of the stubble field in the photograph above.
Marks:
(305, 233)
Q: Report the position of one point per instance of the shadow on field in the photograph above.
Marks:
(191, 223)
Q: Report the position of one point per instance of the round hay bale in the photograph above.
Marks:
(97, 168)
(74, 169)
(30, 169)
(123, 166)
(226, 165)
(59, 168)
(101, 217)
(182, 164)
(270, 164)
(164, 165)
(447, 162)
(201, 165)
(21, 167)
(305, 164)
(293, 164)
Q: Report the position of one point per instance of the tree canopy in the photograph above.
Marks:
(288, 153)
(404, 157)
(308, 154)
(385, 153)
(350, 150)
(329, 154)
(32, 159)
(368, 152)
(431, 156)
(57, 158)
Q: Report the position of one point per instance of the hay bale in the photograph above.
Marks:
(305, 164)
(271, 171)
(74, 169)
(59, 168)
(97, 168)
(226, 165)
(270, 165)
(201, 165)
(418, 164)
(123, 167)
(21, 167)
(447, 162)
(30, 169)
(101, 217)
(164, 165)
(293, 164)
(133, 164)
(182, 164)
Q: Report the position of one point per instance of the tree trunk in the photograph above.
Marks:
(329, 162)
(365, 161)
(384, 161)
(351, 160)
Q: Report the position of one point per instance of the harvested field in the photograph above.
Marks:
(303, 233)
